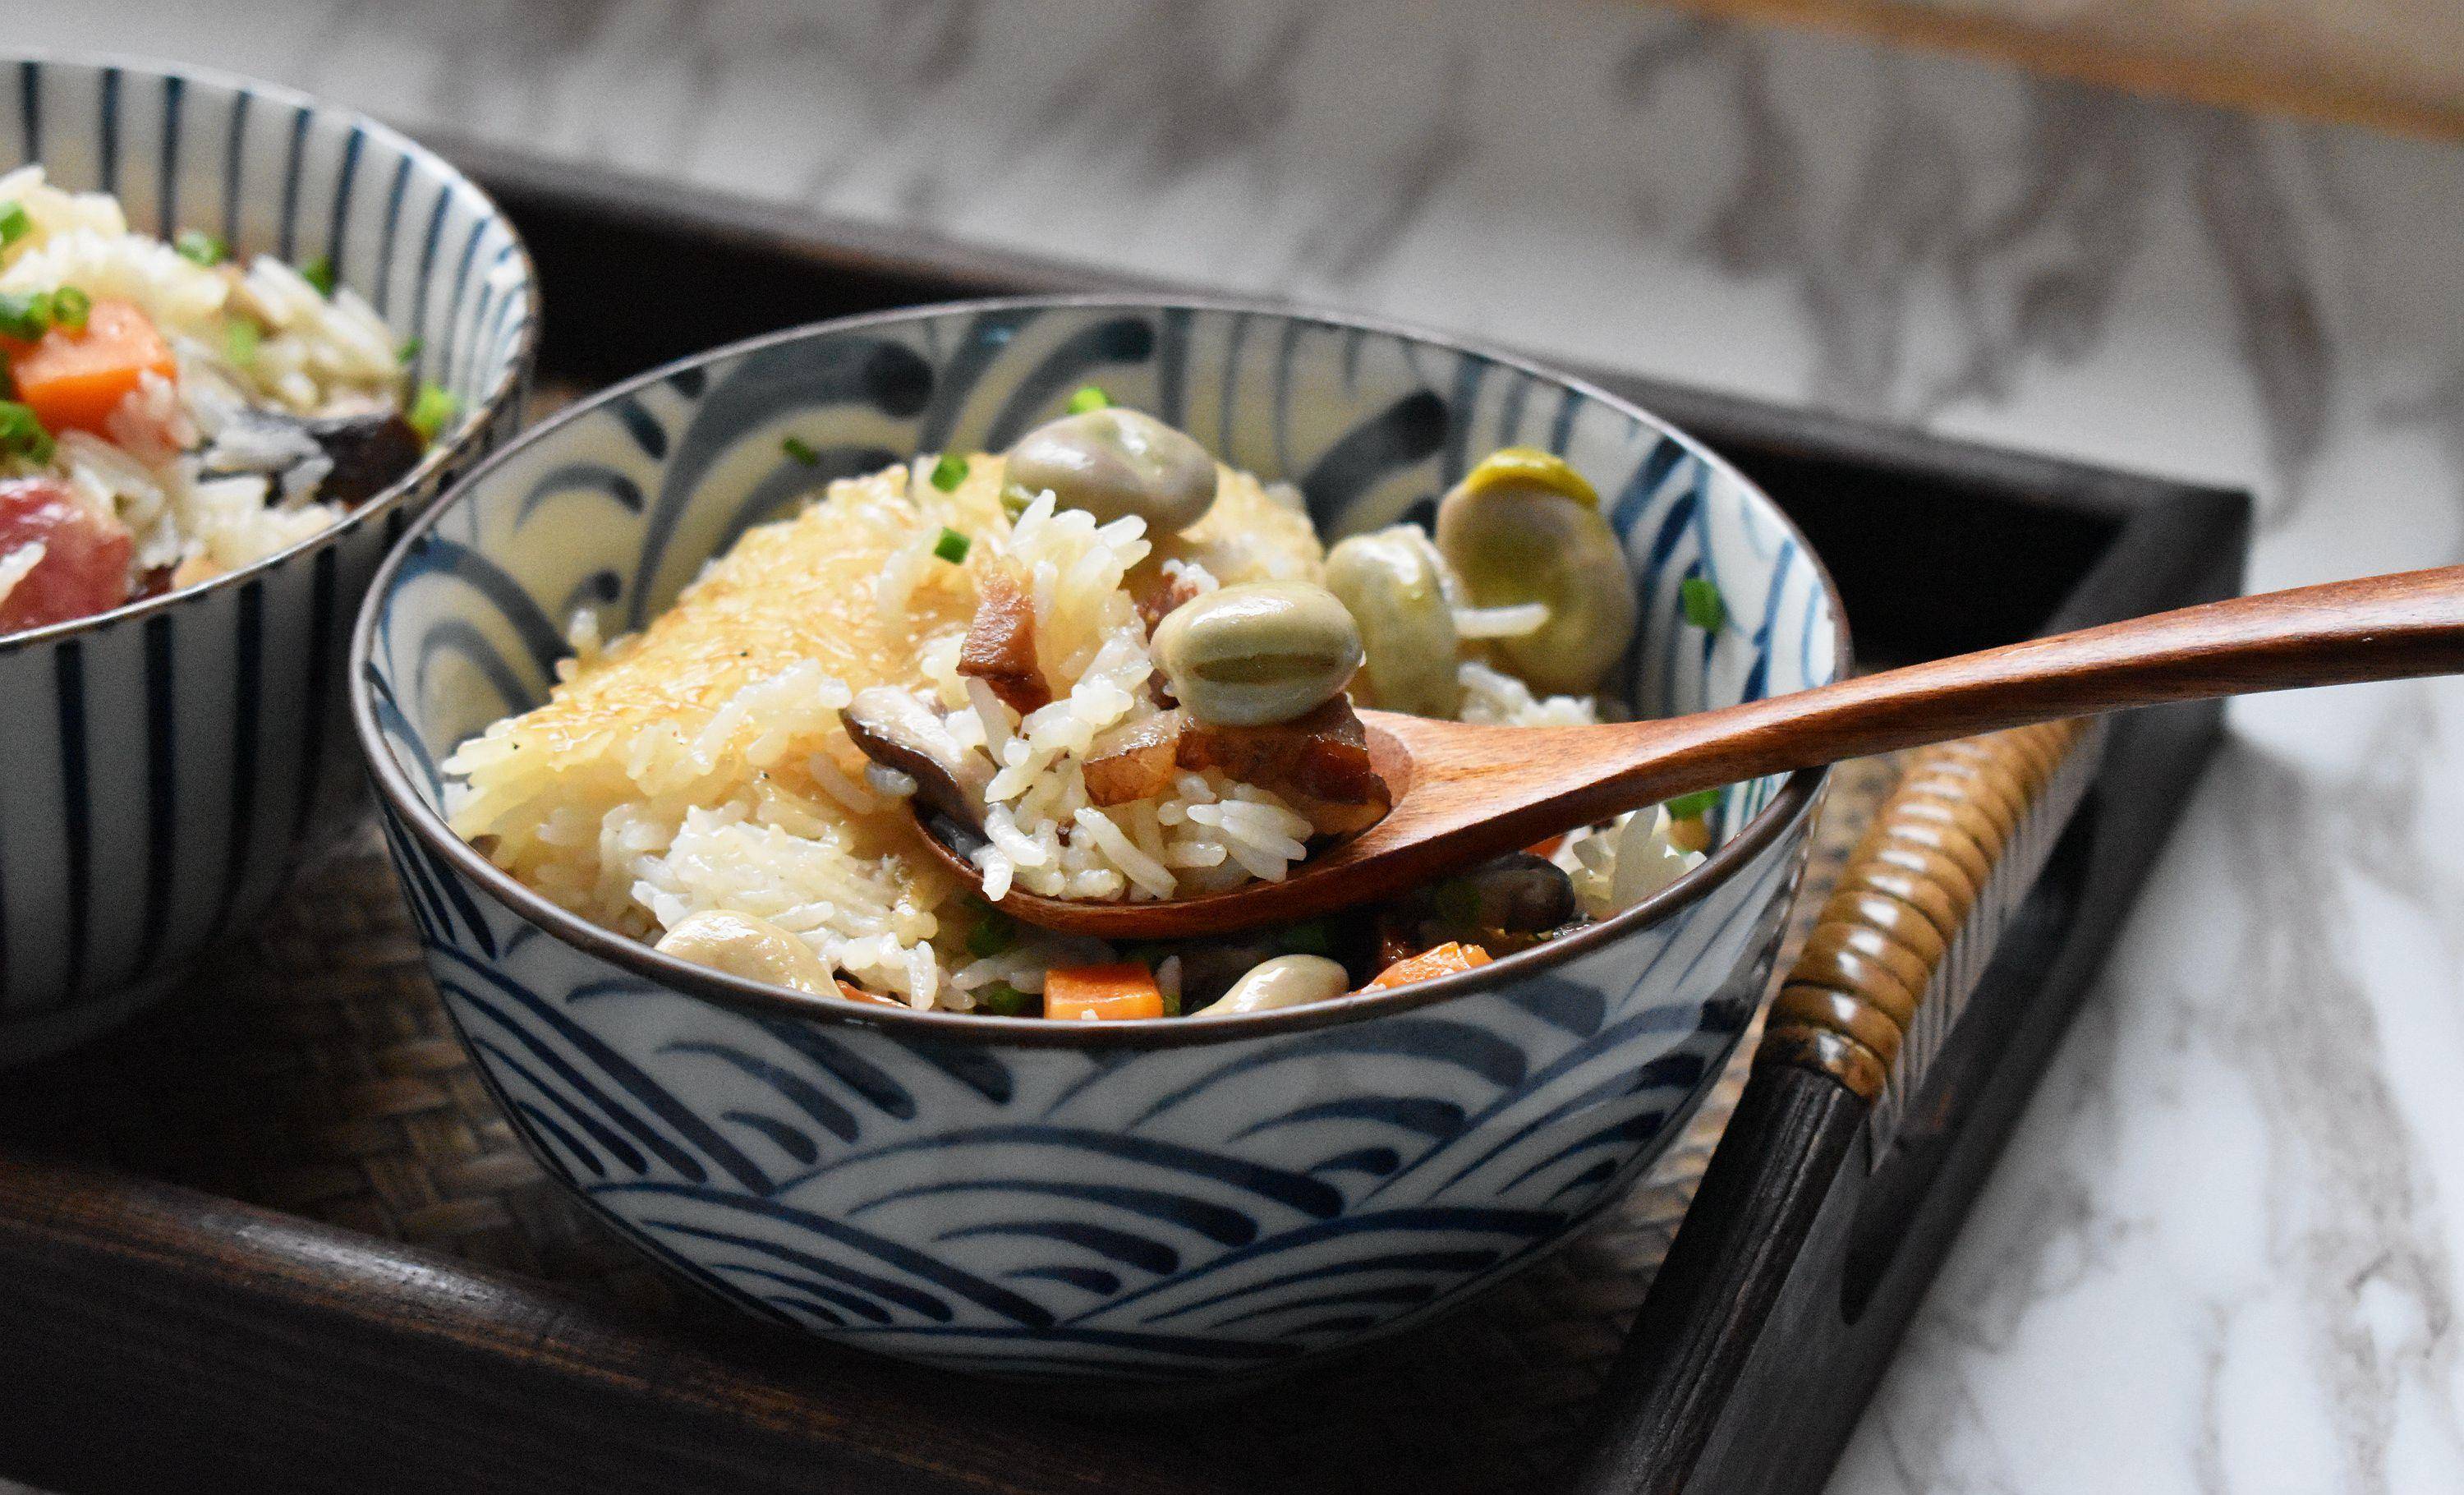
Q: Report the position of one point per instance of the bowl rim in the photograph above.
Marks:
(759, 999)
(442, 453)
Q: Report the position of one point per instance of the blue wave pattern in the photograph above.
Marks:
(162, 766)
(1051, 1210)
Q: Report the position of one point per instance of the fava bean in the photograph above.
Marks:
(1113, 464)
(1524, 527)
(1257, 653)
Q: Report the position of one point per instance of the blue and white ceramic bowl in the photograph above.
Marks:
(1165, 1197)
(163, 759)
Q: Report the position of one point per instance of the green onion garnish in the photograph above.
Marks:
(1014, 501)
(410, 351)
(14, 224)
(431, 411)
(239, 342)
(1693, 806)
(70, 308)
(1311, 938)
(200, 248)
(952, 546)
(25, 316)
(1004, 1001)
(21, 433)
(949, 473)
(1087, 398)
(993, 933)
(801, 451)
(1704, 607)
(320, 272)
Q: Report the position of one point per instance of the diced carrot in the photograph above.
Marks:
(1101, 992)
(72, 381)
(854, 993)
(1437, 961)
(1546, 849)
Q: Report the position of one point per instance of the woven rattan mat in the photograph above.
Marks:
(308, 1067)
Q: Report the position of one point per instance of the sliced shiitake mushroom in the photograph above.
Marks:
(895, 730)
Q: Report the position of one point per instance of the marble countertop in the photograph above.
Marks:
(2225, 1250)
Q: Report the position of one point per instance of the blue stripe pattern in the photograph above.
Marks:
(1061, 1210)
(164, 760)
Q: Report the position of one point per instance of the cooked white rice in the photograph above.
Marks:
(701, 765)
(315, 356)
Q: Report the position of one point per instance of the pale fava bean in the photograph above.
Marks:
(1114, 463)
(1258, 652)
(1524, 527)
(740, 944)
(1285, 981)
(1392, 583)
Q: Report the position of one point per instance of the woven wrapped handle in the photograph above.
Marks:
(1921, 899)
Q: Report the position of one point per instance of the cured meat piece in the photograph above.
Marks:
(999, 647)
(1318, 763)
(83, 568)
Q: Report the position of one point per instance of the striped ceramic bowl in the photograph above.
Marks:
(163, 759)
(1164, 1197)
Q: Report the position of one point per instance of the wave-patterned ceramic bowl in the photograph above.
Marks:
(1164, 1197)
(163, 759)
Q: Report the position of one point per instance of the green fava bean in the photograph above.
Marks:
(1257, 653)
(1114, 463)
(1524, 527)
(1391, 583)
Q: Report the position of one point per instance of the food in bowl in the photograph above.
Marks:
(172, 414)
(1079, 1200)
(1104, 665)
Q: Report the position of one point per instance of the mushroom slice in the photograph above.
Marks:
(999, 647)
(367, 452)
(1134, 761)
(1318, 762)
(897, 731)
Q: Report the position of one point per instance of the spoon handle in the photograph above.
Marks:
(2381, 628)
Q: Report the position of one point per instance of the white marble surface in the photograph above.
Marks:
(2224, 1253)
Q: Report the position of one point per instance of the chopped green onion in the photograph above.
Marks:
(1014, 501)
(949, 473)
(1704, 607)
(14, 224)
(320, 272)
(410, 351)
(431, 411)
(70, 308)
(21, 433)
(1004, 1001)
(200, 248)
(994, 931)
(25, 316)
(801, 451)
(239, 342)
(952, 546)
(1087, 398)
(1693, 806)
(1309, 938)
(1172, 1004)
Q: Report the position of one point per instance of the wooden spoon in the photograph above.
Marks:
(1463, 793)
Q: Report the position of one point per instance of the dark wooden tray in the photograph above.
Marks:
(185, 1305)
